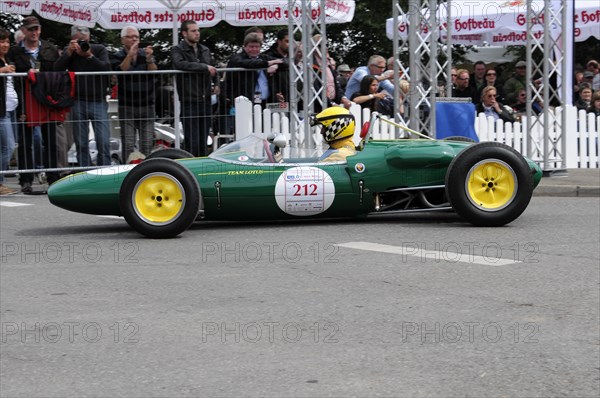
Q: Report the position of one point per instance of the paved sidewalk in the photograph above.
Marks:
(575, 182)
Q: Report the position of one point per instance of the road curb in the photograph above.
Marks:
(567, 191)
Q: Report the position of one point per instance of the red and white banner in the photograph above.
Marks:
(503, 22)
(157, 14)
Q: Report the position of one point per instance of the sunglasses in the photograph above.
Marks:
(33, 28)
(490, 74)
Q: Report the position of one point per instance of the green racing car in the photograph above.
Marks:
(258, 178)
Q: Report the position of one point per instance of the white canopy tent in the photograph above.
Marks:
(501, 22)
(160, 14)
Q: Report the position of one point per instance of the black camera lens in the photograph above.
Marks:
(84, 45)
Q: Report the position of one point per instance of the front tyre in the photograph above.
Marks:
(159, 198)
(489, 184)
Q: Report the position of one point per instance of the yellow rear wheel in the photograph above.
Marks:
(491, 185)
(158, 198)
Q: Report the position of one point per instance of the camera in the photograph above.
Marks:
(84, 45)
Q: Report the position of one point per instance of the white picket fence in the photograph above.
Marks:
(582, 131)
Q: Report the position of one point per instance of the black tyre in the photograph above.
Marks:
(170, 153)
(489, 184)
(159, 198)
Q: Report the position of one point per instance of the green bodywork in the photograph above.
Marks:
(246, 190)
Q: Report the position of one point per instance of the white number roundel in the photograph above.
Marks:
(304, 191)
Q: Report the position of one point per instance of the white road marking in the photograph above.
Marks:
(14, 204)
(446, 256)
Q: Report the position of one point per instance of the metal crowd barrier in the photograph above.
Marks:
(166, 119)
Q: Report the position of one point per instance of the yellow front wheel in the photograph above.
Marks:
(158, 198)
(491, 184)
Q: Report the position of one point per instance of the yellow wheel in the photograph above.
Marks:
(491, 185)
(158, 198)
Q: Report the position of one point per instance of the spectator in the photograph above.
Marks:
(463, 89)
(453, 77)
(578, 81)
(376, 67)
(257, 30)
(333, 90)
(595, 108)
(195, 89)
(391, 61)
(515, 84)
(343, 74)
(37, 54)
(492, 81)
(478, 79)
(19, 36)
(521, 105)
(332, 63)
(491, 107)
(8, 104)
(594, 67)
(281, 77)
(585, 97)
(255, 84)
(90, 94)
(369, 97)
(588, 77)
(135, 93)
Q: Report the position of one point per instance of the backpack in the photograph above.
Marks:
(54, 90)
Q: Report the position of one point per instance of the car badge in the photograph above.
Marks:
(359, 167)
(243, 158)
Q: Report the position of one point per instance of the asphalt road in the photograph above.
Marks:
(414, 305)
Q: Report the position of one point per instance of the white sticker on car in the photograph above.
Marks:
(304, 191)
(105, 171)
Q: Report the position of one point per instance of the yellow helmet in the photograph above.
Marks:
(337, 123)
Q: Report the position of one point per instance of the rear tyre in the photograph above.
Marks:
(170, 153)
(159, 198)
(489, 184)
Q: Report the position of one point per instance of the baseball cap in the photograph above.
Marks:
(344, 68)
(521, 64)
(30, 22)
(587, 73)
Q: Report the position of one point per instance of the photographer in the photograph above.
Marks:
(90, 94)
(135, 92)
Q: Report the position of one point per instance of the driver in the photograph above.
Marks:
(337, 126)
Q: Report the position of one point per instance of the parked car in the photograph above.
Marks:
(115, 152)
